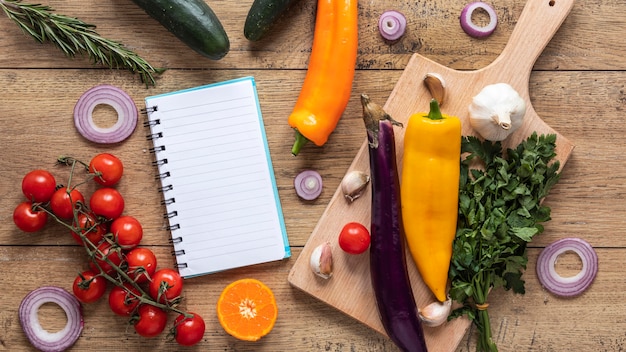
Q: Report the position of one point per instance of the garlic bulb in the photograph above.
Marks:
(497, 111)
(436, 86)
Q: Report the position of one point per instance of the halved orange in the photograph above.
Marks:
(247, 309)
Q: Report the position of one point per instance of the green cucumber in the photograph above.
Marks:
(191, 21)
(262, 15)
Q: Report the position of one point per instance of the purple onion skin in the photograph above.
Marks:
(390, 278)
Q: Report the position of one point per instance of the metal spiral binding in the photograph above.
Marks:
(155, 149)
(168, 201)
(170, 215)
(162, 175)
(150, 109)
(159, 162)
(172, 227)
(154, 136)
(178, 252)
(181, 265)
(176, 240)
(150, 123)
(166, 188)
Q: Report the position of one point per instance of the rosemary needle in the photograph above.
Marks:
(73, 36)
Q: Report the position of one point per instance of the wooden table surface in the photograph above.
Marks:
(577, 87)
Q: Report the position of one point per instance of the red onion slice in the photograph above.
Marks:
(107, 95)
(29, 319)
(472, 29)
(567, 286)
(308, 184)
(391, 25)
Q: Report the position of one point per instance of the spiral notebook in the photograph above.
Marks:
(218, 184)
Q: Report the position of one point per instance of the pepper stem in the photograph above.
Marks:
(435, 112)
(300, 141)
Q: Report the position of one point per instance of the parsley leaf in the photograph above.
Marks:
(500, 211)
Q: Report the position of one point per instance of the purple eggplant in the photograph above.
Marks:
(388, 268)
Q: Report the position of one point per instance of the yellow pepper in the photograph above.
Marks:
(429, 193)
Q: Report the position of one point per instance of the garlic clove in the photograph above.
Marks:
(436, 86)
(353, 184)
(321, 260)
(436, 313)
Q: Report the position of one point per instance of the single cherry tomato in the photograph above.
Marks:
(354, 238)
(127, 231)
(27, 219)
(107, 167)
(88, 287)
(38, 186)
(166, 285)
(151, 320)
(123, 299)
(107, 202)
(141, 263)
(93, 231)
(189, 331)
(63, 203)
(105, 251)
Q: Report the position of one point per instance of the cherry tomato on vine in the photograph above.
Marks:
(127, 231)
(354, 238)
(122, 300)
(141, 263)
(189, 331)
(151, 320)
(90, 228)
(106, 251)
(166, 285)
(88, 287)
(38, 186)
(109, 169)
(107, 202)
(27, 219)
(63, 203)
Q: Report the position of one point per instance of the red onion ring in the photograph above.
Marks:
(473, 30)
(308, 184)
(567, 286)
(107, 95)
(29, 319)
(391, 25)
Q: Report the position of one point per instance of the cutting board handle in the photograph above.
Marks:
(539, 21)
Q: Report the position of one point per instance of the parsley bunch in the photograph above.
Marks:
(500, 211)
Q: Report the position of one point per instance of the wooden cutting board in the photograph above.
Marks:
(349, 290)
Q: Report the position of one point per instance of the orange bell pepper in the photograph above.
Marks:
(328, 81)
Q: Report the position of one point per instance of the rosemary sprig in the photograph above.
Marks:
(73, 36)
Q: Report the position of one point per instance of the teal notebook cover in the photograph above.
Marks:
(219, 189)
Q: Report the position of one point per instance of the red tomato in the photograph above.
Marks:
(63, 203)
(127, 231)
(27, 219)
(151, 322)
(106, 251)
(189, 331)
(38, 186)
(90, 228)
(354, 238)
(88, 287)
(122, 300)
(108, 169)
(166, 285)
(107, 202)
(142, 264)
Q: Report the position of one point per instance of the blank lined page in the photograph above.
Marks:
(217, 178)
